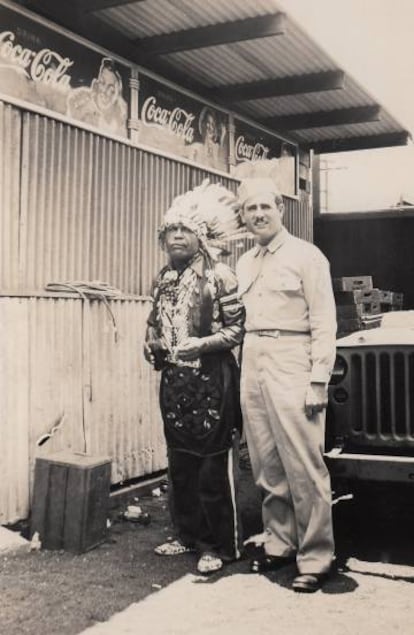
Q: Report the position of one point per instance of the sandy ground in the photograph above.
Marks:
(245, 604)
(122, 587)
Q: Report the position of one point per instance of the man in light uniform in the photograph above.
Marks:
(288, 355)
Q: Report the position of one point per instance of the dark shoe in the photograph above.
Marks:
(309, 582)
(265, 563)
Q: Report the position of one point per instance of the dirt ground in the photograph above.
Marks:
(58, 593)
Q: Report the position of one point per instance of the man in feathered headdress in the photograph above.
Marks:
(288, 355)
(195, 322)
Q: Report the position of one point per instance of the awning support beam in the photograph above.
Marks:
(293, 85)
(359, 143)
(87, 6)
(213, 35)
(323, 118)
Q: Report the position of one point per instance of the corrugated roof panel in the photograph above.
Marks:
(297, 104)
(347, 131)
(144, 19)
(294, 53)
(249, 61)
(219, 65)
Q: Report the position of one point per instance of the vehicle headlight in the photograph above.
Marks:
(340, 395)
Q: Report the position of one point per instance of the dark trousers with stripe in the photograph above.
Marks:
(202, 496)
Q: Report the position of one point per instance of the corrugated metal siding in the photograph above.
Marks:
(79, 206)
(122, 417)
(10, 132)
(14, 441)
(60, 359)
(91, 207)
(299, 217)
(41, 382)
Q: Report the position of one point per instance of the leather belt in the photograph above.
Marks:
(276, 333)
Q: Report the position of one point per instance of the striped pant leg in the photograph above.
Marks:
(220, 531)
(203, 501)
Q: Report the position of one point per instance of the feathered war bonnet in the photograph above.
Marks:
(210, 211)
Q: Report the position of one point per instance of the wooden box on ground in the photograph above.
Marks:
(70, 501)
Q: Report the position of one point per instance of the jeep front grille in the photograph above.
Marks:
(379, 390)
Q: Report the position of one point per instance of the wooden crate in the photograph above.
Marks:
(351, 283)
(391, 298)
(357, 296)
(70, 501)
(357, 310)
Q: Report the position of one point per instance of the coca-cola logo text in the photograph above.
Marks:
(45, 66)
(250, 152)
(177, 120)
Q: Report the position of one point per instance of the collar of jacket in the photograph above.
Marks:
(276, 242)
(196, 264)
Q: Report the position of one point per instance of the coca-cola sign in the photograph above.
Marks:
(253, 145)
(176, 120)
(41, 66)
(250, 152)
(176, 123)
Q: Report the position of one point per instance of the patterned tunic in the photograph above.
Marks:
(199, 399)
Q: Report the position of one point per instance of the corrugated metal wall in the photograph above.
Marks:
(298, 217)
(90, 206)
(122, 416)
(10, 133)
(77, 206)
(62, 361)
(42, 380)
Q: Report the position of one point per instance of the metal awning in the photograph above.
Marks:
(246, 55)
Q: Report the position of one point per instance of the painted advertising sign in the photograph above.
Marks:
(43, 67)
(252, 145)
(173, 122)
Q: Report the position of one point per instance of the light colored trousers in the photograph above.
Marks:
(286, 450)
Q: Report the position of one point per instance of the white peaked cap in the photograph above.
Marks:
(252, 187)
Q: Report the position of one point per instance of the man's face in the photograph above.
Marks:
(180, 243)
(263, 217)
(107, 89)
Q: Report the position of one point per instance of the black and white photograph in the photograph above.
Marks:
(206, 317)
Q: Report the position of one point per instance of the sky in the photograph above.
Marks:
(373, 40)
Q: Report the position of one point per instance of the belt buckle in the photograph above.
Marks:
(275, 334)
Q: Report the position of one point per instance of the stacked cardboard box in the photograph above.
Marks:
(359, 305)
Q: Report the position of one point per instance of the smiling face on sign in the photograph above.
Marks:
(262, 215)
(107, 89)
